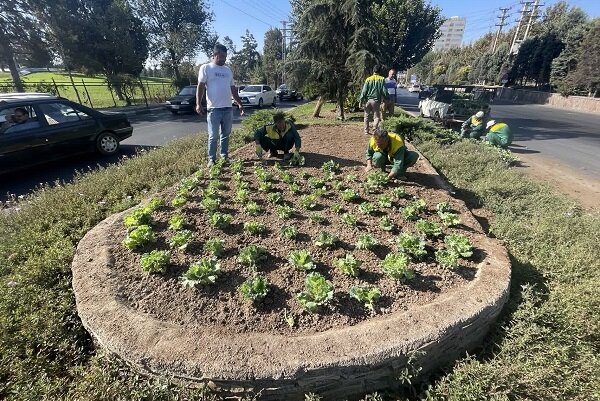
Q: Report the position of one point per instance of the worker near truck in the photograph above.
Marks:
(388, 148)
(498, 134)
(473, 127)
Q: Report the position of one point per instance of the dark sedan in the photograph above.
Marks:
(184, 101)
(36, 127)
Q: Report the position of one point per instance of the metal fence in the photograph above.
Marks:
(98, 93)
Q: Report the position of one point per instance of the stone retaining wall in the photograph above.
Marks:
(580, 103)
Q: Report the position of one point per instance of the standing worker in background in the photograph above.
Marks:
(473, 126)
(388, 148)
(390, 101)
(372, 94)
(216, 80)
(499, 134)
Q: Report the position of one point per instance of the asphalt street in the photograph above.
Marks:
(567, 136)
(149, 130)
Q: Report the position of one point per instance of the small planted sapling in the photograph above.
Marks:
(138, 237)
(412, 245)
(216, 185)
(138, 217)
(253, 208)
(316, 183)
(419, 204)
(337, 208)
(304, 175)
(349, 219)
(254, 289)
(318, 291)
(385, 201)
(385, 223)
(428, 228)
(350, 178)
(331, 167)
(297, 160)
(410, 212)
(398, 192)
(220, 220)
(446, 258)
(214, 246)
(154, 204)
(367, 208)
(459, 244)
(236, 166)
(349, 195)
(254, 228)
(275, 197)
(211, 205)
(365, 294)
(301, 260)
(348, 265)
(449, 219)
(308, 202)
(179, 201)
(251, 255)
(205, 271)
(176, 222)
(395, 265)
(443, 207)
(287, 177)
(284, 212)
(326, 240)
(265, 186)
(295, 189)
(181, 239)
(338, 185)
(318, 218)
(366, 241)
(289, 232)
(375, 181)
(155, 261)
(319, 192)
(241, 196)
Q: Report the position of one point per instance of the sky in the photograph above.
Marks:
(233, 17)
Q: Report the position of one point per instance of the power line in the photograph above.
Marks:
(264, 11)
(274, 7)
(249, 15)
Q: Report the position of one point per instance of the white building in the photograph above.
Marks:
(452, 31)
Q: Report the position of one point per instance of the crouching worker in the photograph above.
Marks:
(389, 148)
(281, 135)
(473, 126)
(499, 134)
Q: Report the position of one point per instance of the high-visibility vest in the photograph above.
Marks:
(272, 133)
(396, 142)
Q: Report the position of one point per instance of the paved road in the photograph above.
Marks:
(569, 137)
(150, 130)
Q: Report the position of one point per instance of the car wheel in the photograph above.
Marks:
(107, 143)
(260, 103)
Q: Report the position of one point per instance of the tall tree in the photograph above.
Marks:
(247, 58)
(587, 72)
(272, 56)
(178, 29)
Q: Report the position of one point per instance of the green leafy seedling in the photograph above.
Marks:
(459, 244)
(349, 195)
(275, 197)
(236, 166)
(331, 167)
(155, 261)
(348, 265)
(318, 218)
(337, 208)
(349, 219)
(366, 241)
(385, 223)
(449, 219)
(138, 237)
(254, 227)
(176, 222)
(316, 183)
(301, 260)
(308, 202)
(446, 258)
(410, 212)
(412, 245)
(154, 204)
(251, 255)
(203, 272)
(179, 201)
(385, 201)
(285, 212)
(181, 239)
(138, 217)
(367, 208)
(350, 178)
(254, 289)
(265, 186)
(326, 240)
(318, 291)
(214, 246)
(366, 295)
(295, 189)
(220, 220)
(395, 265)
(443, 207)
(428, 228)
(253, 208)
(241, 196)
(289, 232)
(211, 205)
(398, 193)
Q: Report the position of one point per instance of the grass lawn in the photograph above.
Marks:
(99, 94)
(544, 347)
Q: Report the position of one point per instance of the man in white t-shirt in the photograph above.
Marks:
(216, 80)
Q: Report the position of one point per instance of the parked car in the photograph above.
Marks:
(426, 91)
(38, 127)
(184, 101)
(258, 95)
(283, 92)
(414, 88)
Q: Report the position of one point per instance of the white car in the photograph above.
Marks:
(258, 95)
(414, 88)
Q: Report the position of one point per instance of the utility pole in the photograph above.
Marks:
(532, 17)
(524, 12)
(283, 49)
(500, 26)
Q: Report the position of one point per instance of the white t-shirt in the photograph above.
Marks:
(218, 80)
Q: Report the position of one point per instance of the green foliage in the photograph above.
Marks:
(348, 265)
(350, 178)
(315, 183)
(459, 244)
(308, 202)
(349, 219)
(366, 241)
(251, 255)
(318, 291)
(176, 222)
(319, 192)
(385, 223)
(211, 205)
(253, 208)
(275, 197)
(156, 261)
(349, 195)
(337, 208)
(410, 212)
(338, 185)
(419, 204)
(288, 231)
(318, 218)
(412, 245)
(297, 160)
(154, 204)
(254, 228)
(365, 294)
(395, 265)
(285, 212)
(375, 181)
(330, 168)
(326, 240)
(265, 186)
(138, 237)
(262, 174)
(181, 239)
(301, 260)
(179, 201)
(287, 177)
(295, 189)
(203, 272)
(449, 219)
(443, 207)
(367, 208)
(446, 258)
(241, 196)
(220, 220)
(428, 228)
(214, 246)
(384, 201)
(138, 217)
(398, 192)
(254, 289)
(236, 166)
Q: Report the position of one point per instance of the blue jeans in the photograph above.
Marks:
(219, 118)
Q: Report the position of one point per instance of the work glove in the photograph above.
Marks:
(259, 151)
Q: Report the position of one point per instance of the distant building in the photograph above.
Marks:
(452, 31)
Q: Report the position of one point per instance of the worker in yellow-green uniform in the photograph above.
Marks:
(473, 127)
(498, 134)
(389, 148)
(281, 135)
(372, 94)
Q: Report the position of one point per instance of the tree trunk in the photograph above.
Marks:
(320, 103)
(175, 66)
(340, 104)
(9, 59)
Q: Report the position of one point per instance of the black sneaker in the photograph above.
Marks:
(286, 156)
(273, 153)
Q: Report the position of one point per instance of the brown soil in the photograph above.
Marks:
(221, 307)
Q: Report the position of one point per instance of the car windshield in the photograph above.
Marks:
(253, 88)
(188, 91)
(282, 86)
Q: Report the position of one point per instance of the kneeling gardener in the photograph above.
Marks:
(281, 135)
(389, 148)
